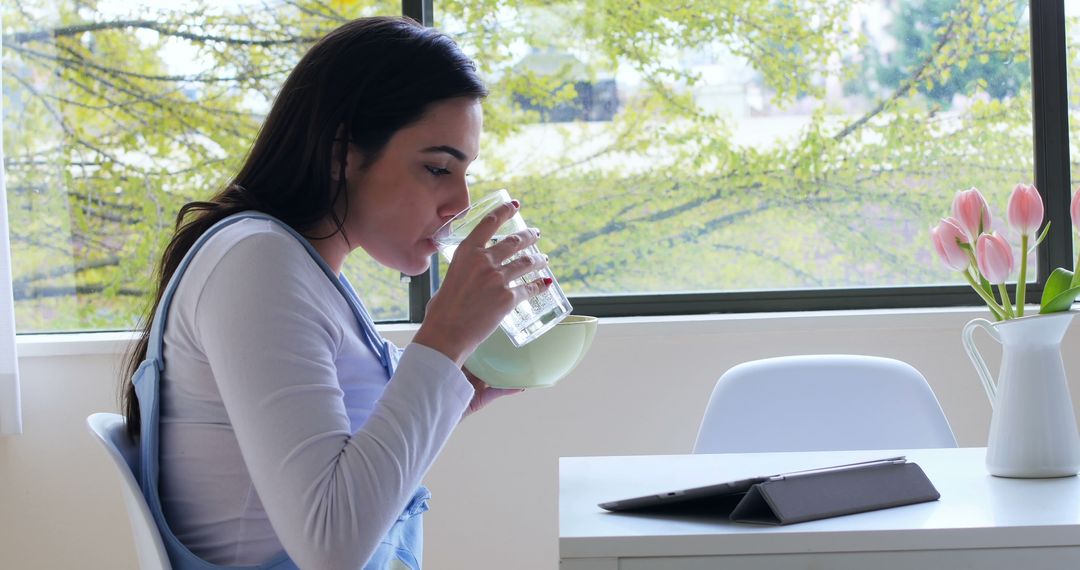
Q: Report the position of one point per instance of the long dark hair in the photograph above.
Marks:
(369, 78)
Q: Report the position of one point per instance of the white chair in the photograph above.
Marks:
(822, 403)
(124, 456)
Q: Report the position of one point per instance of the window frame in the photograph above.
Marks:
(1050, 129)
(10, 404)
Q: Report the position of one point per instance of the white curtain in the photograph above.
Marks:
(10, 408)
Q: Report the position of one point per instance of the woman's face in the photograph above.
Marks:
(415, 185)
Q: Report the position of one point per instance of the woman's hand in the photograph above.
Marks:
(476, 293)
(485, 394)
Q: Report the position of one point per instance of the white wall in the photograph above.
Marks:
(641, 390)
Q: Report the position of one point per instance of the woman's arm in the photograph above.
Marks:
(331, 494)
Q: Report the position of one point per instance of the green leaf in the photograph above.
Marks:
(1042, 235)
(1057, 295)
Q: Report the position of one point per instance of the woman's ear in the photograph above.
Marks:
(339, 150)
(353, 158)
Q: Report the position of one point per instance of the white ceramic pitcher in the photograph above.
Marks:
(1033, 428)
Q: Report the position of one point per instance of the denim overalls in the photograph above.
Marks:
(400, 549)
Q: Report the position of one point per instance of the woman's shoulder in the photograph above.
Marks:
(253, 235)
(252, 243)
(234, 231)
(252, 261)
(257, 275)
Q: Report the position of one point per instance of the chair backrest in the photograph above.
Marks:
(123, 454)
(822, 403)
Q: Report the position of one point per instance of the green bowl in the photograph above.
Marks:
(539, 364)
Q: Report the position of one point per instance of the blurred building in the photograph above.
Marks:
(596, 96)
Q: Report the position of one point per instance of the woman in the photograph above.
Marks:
(277, 428)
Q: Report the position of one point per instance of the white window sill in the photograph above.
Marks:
(117, 342)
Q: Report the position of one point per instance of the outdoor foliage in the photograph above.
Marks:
(102, 142)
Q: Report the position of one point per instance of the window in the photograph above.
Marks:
(1072, 68)
(116, 115)
(10, 405)
(771, 147)
(770, 156)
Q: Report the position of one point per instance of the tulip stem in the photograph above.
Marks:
(1021, 284)
(999, 312)
(1005, 300)
(1076, 274)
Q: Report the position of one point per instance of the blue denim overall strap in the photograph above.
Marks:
(402, 545)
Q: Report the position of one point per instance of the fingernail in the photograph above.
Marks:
(548, 281)
(516, 204)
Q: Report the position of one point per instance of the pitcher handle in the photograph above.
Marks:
(976, 358)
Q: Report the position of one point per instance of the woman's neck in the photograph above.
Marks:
(333, 249)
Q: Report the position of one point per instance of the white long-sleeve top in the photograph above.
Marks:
(279, 428)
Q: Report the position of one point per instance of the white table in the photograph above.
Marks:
(980, 522)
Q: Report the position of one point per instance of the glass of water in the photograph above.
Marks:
(533, 316)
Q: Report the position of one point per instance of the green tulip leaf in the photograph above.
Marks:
(1058, 282)
(1062, 302)
(1057, 295)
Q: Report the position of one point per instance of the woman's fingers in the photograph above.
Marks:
(513, 255)
(530, 289)
(482, 285)
(485, 230)
(484, 394)
(521, 266)
(509, 245)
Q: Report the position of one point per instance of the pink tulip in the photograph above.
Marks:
(971, 210)
(1025, 210)
(947, 237)
(1075, 209)
(994, 257)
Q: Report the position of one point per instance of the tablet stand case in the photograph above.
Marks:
(799, 497)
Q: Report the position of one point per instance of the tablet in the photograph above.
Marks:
(684, 496)
(721, 492)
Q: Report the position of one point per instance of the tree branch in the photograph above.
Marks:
(198, 78)
(27, 280)
(57, 291)
(902, 89)
(153, 25)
